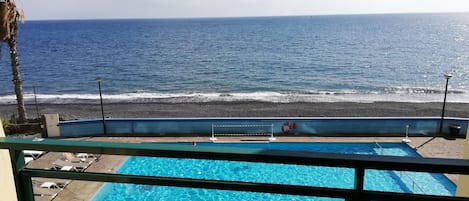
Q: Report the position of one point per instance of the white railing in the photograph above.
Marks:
(381, 150)
(241, 130)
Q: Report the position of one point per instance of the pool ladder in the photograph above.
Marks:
(414, 183)
(381, 150)
(402, 173)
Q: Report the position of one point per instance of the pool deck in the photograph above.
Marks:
(84, 190)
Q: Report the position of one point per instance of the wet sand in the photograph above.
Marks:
(244, 109)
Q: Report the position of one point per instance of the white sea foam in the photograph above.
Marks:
(275, 97)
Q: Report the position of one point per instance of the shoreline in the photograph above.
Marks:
(243, 109)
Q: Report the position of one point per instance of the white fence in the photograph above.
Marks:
(242, 130)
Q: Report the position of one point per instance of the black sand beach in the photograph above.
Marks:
(244, 109)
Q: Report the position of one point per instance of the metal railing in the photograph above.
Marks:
(381, 150)
(413, 184)
(359, 163)
(242, 130)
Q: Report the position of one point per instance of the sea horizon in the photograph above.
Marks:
(241, 17)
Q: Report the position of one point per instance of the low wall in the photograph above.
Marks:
(303, 126)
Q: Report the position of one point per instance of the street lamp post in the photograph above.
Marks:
(99, 80)
(447, 77)
(440, 130)
(35, 102)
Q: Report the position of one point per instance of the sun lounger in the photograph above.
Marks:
(43, 187)
(50, 185)
(68, 168)
(28, 159)
(69, 162)
(39, 191)
(83, 157)
(33, 153)
(87, 155)
(78, 166)
(60, 182)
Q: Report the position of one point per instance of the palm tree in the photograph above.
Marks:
(9, 16)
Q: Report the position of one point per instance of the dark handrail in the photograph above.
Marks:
(358, 162)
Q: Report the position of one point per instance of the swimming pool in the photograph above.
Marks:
(394, 181)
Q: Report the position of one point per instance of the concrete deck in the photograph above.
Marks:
(84, 190)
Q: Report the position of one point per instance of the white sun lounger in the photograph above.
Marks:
(38, 181)
(28, 159)
(33, 153)
(39, 191)
(50, 185)
(68, 168)
(45, 188)
(86, 155)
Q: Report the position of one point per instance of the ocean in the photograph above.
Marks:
(342, 58)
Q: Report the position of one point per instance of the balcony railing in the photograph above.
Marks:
(359, 163)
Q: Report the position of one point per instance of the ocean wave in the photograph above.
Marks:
(420, 90)
(392, 95)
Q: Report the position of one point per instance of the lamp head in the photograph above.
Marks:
(448, 76)
(99, 79)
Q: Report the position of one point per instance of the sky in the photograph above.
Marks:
(112, 9)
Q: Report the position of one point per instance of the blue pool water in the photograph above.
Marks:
(394, 181)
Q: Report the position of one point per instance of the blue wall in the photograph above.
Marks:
(304, 126)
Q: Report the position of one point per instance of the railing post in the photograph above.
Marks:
(24, 187)
(463, 181)
(359, 183)
(7, 189)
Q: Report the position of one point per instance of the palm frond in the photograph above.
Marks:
(9, 16)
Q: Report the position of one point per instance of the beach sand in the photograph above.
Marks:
(244, 109)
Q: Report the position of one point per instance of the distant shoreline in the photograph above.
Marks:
(244, 109)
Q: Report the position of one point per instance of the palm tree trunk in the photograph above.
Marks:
(15, 69)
